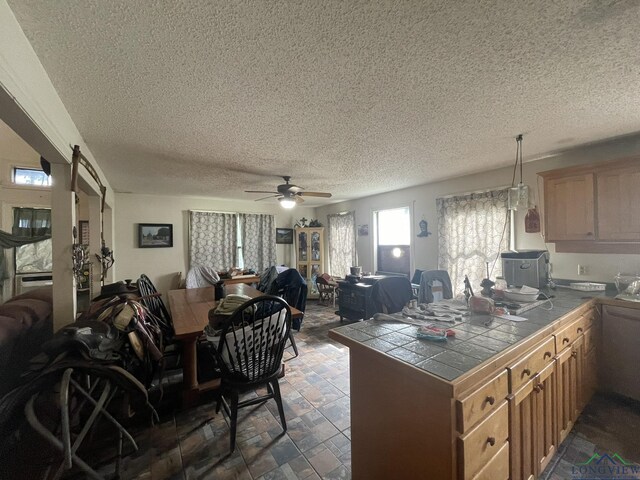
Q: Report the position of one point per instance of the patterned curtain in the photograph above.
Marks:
(342, 243)
(472, 230)
(258, 241)
(213, 239)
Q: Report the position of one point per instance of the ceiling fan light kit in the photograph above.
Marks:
(287, 202)
(288, 194)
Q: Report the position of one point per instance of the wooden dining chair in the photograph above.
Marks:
(249, 355)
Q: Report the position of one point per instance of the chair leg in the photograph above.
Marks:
(276, 395)
(233, 418)
(293, 343)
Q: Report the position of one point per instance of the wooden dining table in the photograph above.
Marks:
(190, 313)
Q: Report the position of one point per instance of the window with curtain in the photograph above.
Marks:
(28, 223)
(258, 234)
(213, 239)
(342, 243)
(472, 230)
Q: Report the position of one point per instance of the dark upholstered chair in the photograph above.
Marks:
(391, 294)
(249, 355)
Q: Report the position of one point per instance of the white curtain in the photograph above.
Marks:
(258, 241)
(213, 239)
(472, 230)
(342, 243)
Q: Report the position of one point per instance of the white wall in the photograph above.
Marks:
(162, 264)
(422, 200)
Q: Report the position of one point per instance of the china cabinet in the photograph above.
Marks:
(310, 255)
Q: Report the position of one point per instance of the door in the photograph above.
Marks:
(618, 200)
(568, 386)
(569, 208)
(393, 240)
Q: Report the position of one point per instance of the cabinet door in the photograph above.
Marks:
(568, 387)
(545, 430)
(532, 425)
(521, 426)
(618, 201)
(569, 208)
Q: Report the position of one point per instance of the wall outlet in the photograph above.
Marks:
(582, 269)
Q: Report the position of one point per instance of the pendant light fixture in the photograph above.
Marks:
(518, 194)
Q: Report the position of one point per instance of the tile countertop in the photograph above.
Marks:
(474, 342)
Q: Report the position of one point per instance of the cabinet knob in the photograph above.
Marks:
(541, 386)
(536, 388)
(547, 354)
(491, 441)
(574, 354)
(526, 372)
(490, 400)
(565, 340)
(579, 330)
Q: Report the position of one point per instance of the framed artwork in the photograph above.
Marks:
(284, 235)
(155, 235)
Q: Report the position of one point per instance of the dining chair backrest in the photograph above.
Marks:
(252, 341)
(152, 300)
(391, 294)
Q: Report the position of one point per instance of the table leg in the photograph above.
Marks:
(189, 372)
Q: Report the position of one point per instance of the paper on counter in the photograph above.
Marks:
(513, 318)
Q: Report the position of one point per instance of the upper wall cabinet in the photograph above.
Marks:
(594, 208)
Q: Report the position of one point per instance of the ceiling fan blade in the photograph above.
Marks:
(260, 191)
(270, 196)
(298, 199)
(315, 194)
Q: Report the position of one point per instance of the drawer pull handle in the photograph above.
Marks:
(537, 388)
(579, 330)
(574, 354)
(546, 354)
(565, 340)
(541, 386)
(526, 372)
(491, 400)
(491, 441)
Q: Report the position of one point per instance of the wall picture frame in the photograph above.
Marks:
(284, 236)
(155, 235)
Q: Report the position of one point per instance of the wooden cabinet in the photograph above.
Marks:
(568, 387)
(310, 255)
(576, 220)
(618, 201)
(593, 208)
(532, 413)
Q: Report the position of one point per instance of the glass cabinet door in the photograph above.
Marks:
(302, 247)
(315, 246)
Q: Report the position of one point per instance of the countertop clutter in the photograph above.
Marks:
(477, 337)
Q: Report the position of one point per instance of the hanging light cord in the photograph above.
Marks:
(519, 153)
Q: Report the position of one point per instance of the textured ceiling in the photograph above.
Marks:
(355, 97)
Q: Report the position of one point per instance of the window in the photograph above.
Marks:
(342, 243)
(393, 240)
(33, 222)
(31, 176)
(472, 230)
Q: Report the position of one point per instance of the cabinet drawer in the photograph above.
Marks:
(531, 364)
(483, 442)
(498, 466)
(482, 400)
(568, 334)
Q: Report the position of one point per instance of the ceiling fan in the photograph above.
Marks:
(288, 194)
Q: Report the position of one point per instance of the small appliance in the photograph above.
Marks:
(526, 267)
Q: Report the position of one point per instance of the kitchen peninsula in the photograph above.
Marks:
(494, 402)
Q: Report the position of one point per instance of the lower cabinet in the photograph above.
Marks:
(569, 363)
(532, 424)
